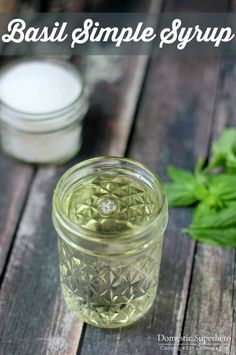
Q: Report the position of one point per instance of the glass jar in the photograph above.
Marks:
(39, 123)
(110, 215)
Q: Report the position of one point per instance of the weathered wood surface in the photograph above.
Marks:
(212, 304)
(176, 106)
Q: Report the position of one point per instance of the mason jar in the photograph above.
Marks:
(42, 104)
(110, 215)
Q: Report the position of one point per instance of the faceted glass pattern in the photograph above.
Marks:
(109, 292)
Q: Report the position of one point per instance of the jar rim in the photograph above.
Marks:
(83, 233)
(48, 114)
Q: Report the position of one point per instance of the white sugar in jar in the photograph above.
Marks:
(42, 104)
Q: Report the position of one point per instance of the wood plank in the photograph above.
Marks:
(212, 304)
(15, 179)
(31, 282)
(110, 115)
(33, 316)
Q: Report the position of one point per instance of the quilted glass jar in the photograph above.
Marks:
(110, 215)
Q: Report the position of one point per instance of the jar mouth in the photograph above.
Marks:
(97, 164)
(54, 119)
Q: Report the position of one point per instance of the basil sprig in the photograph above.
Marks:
(212, 190)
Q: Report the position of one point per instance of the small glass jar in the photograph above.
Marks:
(110, 215)
(36, 135)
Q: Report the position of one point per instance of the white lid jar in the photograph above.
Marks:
(42, 104)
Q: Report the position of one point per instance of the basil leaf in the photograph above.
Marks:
(200, 191)
(180, 175)
(223, 186)
(186, 188)
(214, 219)
(222, 237)
(212, 188)
(179, 195)
(231, 162)
(199, 167)
(224, 146)
(214, 227)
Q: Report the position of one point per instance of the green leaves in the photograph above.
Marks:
(215, 227)
(186, 189)
(222, 237)
(224, 151)
(180, 175)
(223, 186)
(213, 190)
(180, 193)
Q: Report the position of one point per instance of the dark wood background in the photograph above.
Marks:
(159, 110)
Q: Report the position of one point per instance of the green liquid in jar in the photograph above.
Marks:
(103, 290)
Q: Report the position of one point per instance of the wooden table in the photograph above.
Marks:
(159, 110)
